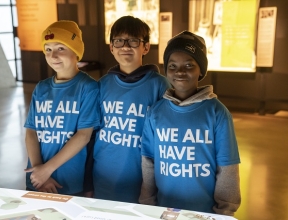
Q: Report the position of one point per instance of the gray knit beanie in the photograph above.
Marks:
(191, 44)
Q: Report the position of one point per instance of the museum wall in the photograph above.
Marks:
(264, 91)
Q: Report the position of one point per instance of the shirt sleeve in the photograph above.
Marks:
(30, 120)
(148, 195)
(227, 190)
(90, 109)
(225, 139)
(147, 139)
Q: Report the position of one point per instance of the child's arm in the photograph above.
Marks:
(33, 148)
(35, 158)
(148, 194)
(227, 190)
(41, 173)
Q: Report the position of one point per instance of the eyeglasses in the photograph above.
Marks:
(132, 42)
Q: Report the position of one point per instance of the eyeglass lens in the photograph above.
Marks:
(131, 42)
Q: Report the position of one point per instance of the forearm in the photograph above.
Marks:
(227, 190)
(71, 148)
(33, 148)
(148, 194)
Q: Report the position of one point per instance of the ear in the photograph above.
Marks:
(146, 48)
(111, 48)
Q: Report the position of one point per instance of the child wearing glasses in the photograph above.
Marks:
(126, 92)
(190, 153)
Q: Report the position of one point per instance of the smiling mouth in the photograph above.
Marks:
(180, 79)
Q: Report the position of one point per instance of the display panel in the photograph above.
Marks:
(25, 205)
(146, 10)
(266, 36)
(165, 33)
(229, 30)
(33, 16)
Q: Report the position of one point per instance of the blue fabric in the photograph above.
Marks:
(57, 111)
(117, 151)
(187, 144)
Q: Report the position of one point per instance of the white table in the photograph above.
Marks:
(24, 205)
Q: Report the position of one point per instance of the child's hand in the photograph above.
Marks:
(40, 174)
(50, 186)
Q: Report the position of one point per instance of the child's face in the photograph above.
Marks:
(60, 58)
(183, 73)
(129, 58)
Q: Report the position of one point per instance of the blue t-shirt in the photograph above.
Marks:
(187, 143)
(117, 153)
(57, 111)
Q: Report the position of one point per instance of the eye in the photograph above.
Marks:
(171, 66)
(133, 40)
(118, 40)
(47, 49)
(61, 48)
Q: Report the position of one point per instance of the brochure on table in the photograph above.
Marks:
(25, 205)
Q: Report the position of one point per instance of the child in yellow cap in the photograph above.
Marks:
(62, 115)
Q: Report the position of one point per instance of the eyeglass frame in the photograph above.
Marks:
(127, 40)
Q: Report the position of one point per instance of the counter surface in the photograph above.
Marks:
(25, 205)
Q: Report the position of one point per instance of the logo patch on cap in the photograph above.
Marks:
(73, 36)
(190, 47)
(49, 35)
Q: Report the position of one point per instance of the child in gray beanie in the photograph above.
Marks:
(190, 157)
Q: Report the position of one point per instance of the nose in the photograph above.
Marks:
(180, 71)
(126, 44)
(54, 54)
